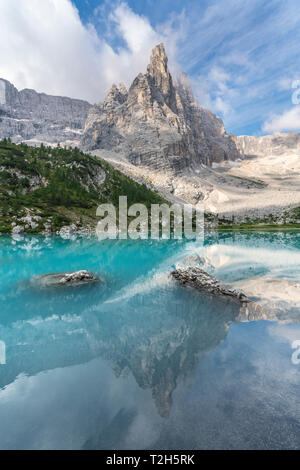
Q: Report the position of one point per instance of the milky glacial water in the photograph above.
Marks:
(138, 362)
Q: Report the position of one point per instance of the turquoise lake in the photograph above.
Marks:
(138, 362)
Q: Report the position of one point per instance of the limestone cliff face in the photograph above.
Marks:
(277, 144)
(158, 123)
(28, 115)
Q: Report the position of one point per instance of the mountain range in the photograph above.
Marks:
(35, 118)
(157, 133)
(158, 123)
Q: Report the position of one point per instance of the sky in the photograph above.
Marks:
(242, 56)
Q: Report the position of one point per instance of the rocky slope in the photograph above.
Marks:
(30, 116)
(157, 123)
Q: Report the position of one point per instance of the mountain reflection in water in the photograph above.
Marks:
(156, 333)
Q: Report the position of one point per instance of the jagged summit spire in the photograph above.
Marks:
(158, 67)
(157, 119)
(160, 76)
(158, 56)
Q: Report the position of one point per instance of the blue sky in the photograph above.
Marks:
(242, 56)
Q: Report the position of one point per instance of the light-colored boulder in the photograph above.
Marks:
(18, 229)
(67, 230)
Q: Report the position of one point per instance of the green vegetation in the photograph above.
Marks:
(295, 213)
(286, 221)
(250, 181)
(60, 186)
(248, 227)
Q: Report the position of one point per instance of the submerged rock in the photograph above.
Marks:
(74, 279)
(202, 281)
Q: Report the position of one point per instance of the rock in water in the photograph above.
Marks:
(77, 276)
(204, 282)
(73, 279)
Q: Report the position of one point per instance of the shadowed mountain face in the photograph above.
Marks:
(157, 122)
(30, 116)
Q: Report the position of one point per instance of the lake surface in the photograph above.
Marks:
(138, 362)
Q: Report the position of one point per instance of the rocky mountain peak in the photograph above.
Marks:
(160, 77)
(116, 94)
(158, 123)
(158, 62)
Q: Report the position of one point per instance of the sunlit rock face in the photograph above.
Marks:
(158, 123)
(277, 144)
(30, 116)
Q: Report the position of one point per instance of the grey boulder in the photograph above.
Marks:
(73, 279)
(202, 281)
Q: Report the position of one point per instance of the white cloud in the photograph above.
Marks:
(45, 46)
(136, 30)
(215, 91)
(288, 121)
(222, 106)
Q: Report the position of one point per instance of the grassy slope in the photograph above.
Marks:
(60, 185)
